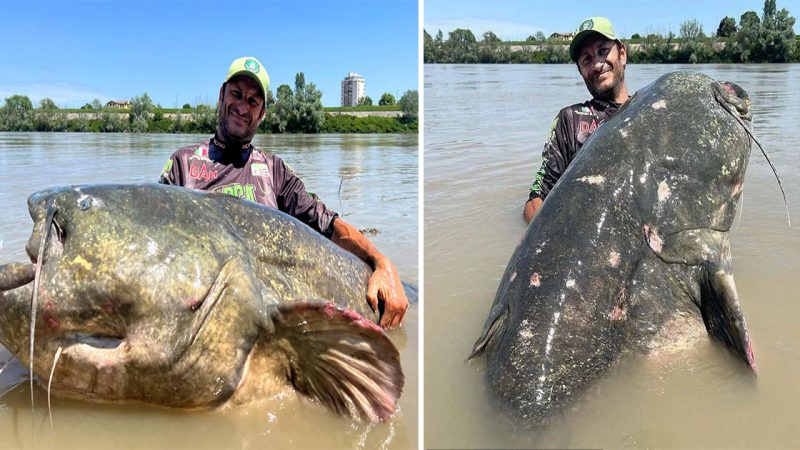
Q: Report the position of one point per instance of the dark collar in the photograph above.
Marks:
(218, 153)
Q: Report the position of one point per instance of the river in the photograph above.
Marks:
(371, 180)
(485, 126)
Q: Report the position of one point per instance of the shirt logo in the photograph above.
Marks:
(585, 127)
(202, 172)
(252, 66)
(259, 170)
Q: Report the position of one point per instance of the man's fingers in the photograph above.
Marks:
(398, 319)
(386, 321)
(372, 296)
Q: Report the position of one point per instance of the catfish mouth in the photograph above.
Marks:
(53, 241)
(733, 98)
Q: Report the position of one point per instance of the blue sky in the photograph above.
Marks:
(517, 19)
(179, 51)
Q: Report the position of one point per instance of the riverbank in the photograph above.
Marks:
(200, 120)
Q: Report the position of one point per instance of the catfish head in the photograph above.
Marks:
(150, 293)
(629, 250)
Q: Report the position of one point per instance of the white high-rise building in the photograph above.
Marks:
(352, 89)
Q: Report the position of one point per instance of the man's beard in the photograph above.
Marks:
(610, 94)
(231, 142)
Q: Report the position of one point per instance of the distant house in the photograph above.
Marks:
(562, 36)
(119, 104)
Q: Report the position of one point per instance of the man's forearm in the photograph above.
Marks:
(349, 238)
(532, 206)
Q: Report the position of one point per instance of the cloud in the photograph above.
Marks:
(504, 30)
(65, 96)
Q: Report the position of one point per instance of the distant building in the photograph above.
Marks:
(119, 104)
(562, 36)
(352, 89)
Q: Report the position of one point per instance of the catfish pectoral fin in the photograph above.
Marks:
(14, 275)
(722, 313)
(495, 322)
(339, 358)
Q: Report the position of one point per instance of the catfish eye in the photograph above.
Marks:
(85, 204)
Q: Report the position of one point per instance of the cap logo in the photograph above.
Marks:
(586, 25)
(252, 66)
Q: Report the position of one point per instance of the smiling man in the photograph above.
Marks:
(229, 163)
(601, 58)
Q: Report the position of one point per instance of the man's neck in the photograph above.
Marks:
(223, 152)
(621, 96)
(228, 146)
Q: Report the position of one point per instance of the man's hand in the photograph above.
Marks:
(385, 288)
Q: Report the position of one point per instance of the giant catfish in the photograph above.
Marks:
(630, 246)
(186, 299)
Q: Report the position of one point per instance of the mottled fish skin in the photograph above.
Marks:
(169, 296)
(605, 266)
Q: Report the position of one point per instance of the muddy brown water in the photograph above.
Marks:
(371, 180)
(485, 127)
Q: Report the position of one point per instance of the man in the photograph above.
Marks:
(601, 58)
(229, 163)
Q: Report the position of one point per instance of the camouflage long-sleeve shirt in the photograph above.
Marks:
(254, 175)
(571, 128)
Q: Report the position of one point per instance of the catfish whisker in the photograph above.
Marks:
(766, 156)
(48, 223)
(50, 382)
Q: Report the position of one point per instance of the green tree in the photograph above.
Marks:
(636, 36)
(308, 113)
(186, 106)
(490, 38)
(490, 48)
(204, 118)
(438, 47)
(112, 122)
(747, 38)
(427, 47)
(47, 104)
(279, 114)
(365, 101)
(460, 47)
(48, 118)
(540, 36)
(141, 107)
(17, 114)
(87, 106)
(387, 99)
(409, 103)
(692, 30)
(777, 40)
(693, 48)
(727, 27)
(97, 105)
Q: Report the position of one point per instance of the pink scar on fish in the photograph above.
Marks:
(51, 322)
(737, 189)
(108, 307)
(653, 239)
(193, 303)
(358, 319)
(513, 276)
(535, 280)
(613, 259)
(617, 313)
(751, 357)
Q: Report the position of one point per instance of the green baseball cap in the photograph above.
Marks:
(599, 25)
(247, 65)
